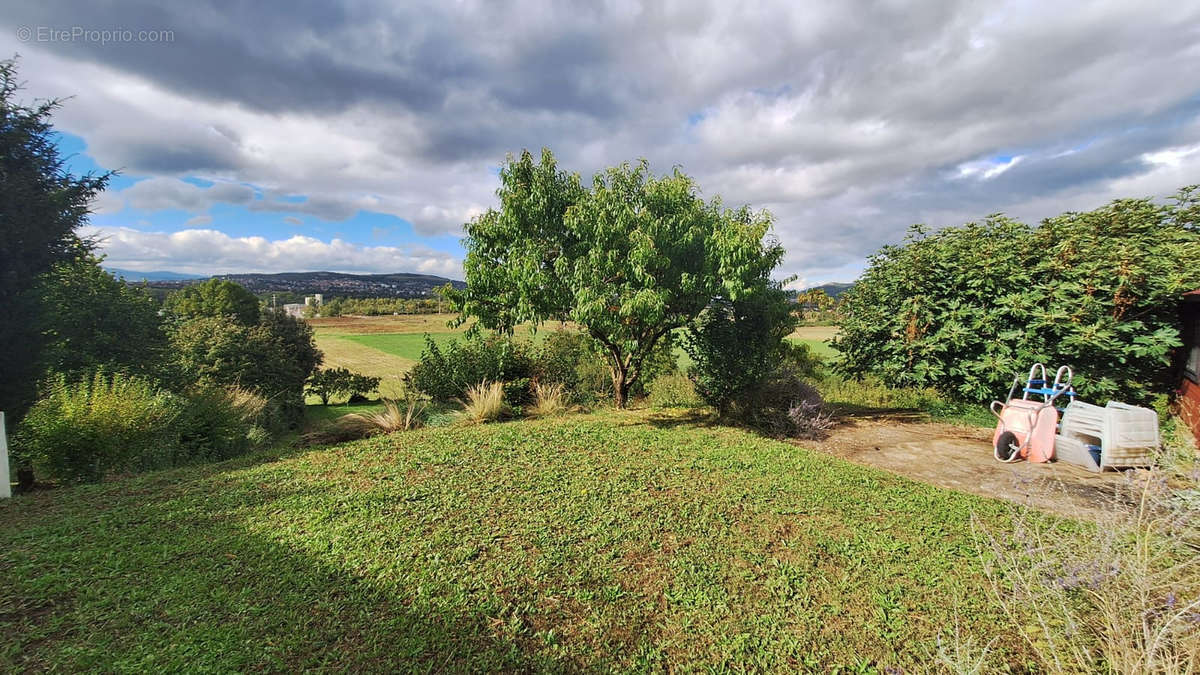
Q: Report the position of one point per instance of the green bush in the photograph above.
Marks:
(445, 373)
(570, 358)
(340, 382)
(965, 308)
(559, 355)
(219, 298)
(82, 431)
(660, 362)
(273, 358)
(736, 345)
(673, 390)
(518, 392)
(217, 424)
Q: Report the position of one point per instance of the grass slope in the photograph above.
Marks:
(612, 540)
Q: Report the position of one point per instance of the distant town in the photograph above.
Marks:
(293, 284)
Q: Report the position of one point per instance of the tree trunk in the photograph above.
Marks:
(24, 479)
(621, 387)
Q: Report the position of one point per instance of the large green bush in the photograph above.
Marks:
(81, 431)
(214, 298)
(737, 345)
(219, 423)
(273, 358)
(445, 373)
(84, 430)
(964, 308)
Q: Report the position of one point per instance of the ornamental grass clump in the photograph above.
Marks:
(484, 402)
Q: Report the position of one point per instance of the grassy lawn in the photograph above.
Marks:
(608, 541)
(406, 346)
(320, 414)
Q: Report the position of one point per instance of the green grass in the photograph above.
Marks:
(316, 415)
(610, 541)
(819, 347)
(405, 345)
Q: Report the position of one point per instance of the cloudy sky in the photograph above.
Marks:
(360, 137)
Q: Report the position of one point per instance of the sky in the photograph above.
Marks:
(360, 137)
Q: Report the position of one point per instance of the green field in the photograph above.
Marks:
(606, 541)
(388, 346)
(404, 345)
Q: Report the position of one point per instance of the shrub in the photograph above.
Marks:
(674, 390)
(559, 355)
(85, 430)
(214, 298)
(1121, 596)
(549, 399)
(485, 402)
(661, 361)
(273, 358)
(446, 373)
(593, 381)
(737, 345)
(331, 382)
(809, 420)
(964, 308)
(518, 392)
(217, 424)
(97, 322)
(769, 408)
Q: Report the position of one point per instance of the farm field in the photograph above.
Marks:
(387, 346)
(616, 540)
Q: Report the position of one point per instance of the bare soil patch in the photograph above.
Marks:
(960, 458)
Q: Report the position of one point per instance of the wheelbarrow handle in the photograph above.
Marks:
(994, 409)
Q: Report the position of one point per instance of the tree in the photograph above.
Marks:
(964, 308)
(41, 205)
(215, 297)
(94, 321)
(631, 259)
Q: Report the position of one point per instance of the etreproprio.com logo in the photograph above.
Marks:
(102, 36)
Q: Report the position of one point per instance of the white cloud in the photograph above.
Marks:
(205, 251)
(154, 194)
(848, 121)
(1170, 157)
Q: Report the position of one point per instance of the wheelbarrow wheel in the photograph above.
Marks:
(1006, 445)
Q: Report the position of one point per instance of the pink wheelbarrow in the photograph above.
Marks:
(1026, 426)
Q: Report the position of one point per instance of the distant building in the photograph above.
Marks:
(315, 300)
(294, 309)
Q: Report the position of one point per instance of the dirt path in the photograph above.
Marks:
(960, 458)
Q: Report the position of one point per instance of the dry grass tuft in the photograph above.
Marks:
(395, 416)
(549, 399)
(485, 402)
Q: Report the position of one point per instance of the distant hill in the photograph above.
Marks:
(131, 275)
(333, 284)
(833, 290)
